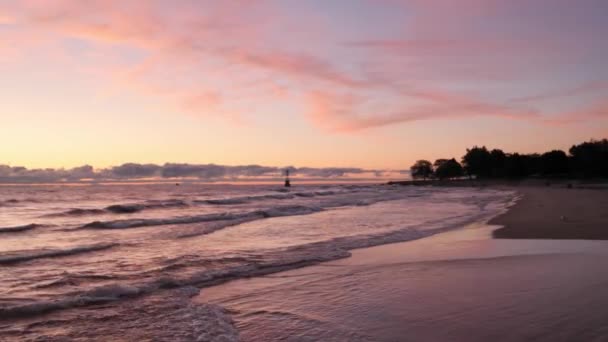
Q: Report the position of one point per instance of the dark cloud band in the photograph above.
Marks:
(203, 172)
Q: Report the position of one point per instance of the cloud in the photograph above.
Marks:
(445, 59)
(176, 171)
(300, 66)
(329, 172)
(583, 89)
(347, 113)
(181, 41)
(23, 175)
(592, 113)
(132, 170)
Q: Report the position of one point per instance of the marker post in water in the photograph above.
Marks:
(287, 181)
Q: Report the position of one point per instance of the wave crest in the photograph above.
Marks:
(23, 228)
(22, 256)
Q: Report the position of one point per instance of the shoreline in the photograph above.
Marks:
(555, 213)
(596, 184)
(399, 291)
(483, 270)
(563, 209)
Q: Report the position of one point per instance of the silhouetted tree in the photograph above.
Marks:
(448, 168)
(422, 169)
(478, 161)
(522, 165)
(515, 166)
(554, 163)
(438, 163)
(498, 161)
(590, 159)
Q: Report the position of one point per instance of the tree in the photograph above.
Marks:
(448, 169)
(478, 161)
(498, 160)
(522, 165)
(515, 166)
(422, 169)
(590, 159)
(554, 162)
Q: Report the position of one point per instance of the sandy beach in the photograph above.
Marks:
(463, 285)
(556, 213)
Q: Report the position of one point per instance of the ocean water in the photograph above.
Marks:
(120, 262)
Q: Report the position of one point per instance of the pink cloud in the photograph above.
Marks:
(216, 57)
(300, 66)
(180, 39)
(583, 89)
(342, 113)
(591, 113)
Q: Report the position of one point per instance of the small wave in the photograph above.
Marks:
(22, 256)
(102, 294)
(288, 210)
(215, 227)
(137, 207)
(226, 201)
(72, 279)
(81, 212)
(134, 223)
(304, 194)
(281, 196)
(278, 196)
(245, 199)
(9, 202)
(123, 208)
(170, 316)
(20, 228)
(77, 212)
(325, 193)
(272, 212)
(16, 201)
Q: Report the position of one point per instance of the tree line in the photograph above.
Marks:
(585, 160)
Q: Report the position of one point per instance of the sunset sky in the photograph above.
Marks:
(363, 83)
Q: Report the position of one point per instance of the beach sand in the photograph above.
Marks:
(556, 213)
(463, 285)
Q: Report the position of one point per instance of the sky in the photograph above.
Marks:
(370, 84)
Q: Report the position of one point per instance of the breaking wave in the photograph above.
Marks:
(80, 212)
(133, 208)
(12, 201)
(123, 208)
(22, 256)
(170, 316)
(281, 196)
(20, 228)
(257, 214)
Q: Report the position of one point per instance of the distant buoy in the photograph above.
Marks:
(287, 181)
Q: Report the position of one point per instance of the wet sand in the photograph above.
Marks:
(556, 213)
(462, 285)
